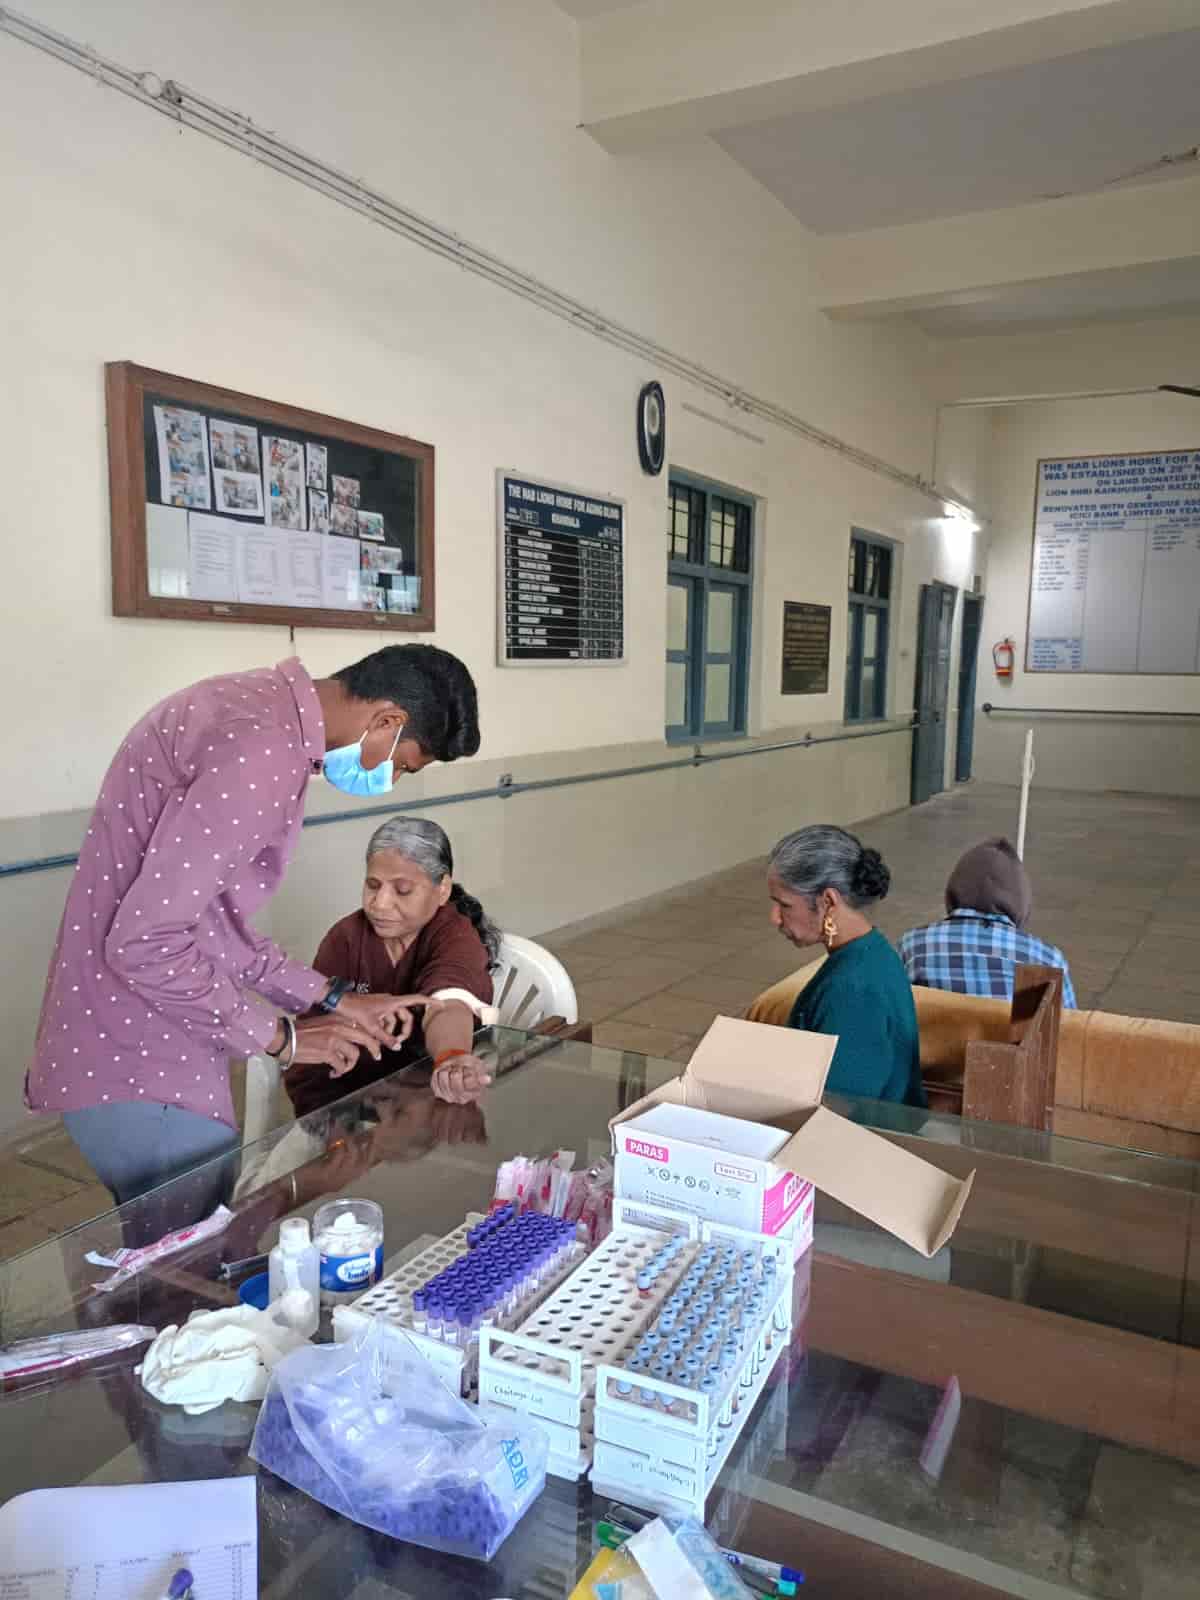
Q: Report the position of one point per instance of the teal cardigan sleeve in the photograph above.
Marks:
(864, 1059)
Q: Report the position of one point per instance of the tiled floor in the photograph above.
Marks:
(46, 1186)
(1116, 885)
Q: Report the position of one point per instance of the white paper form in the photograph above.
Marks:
(264, 574)
(304, 566)
(340, 573)
(127, 1543)
(167, 551)
(212, 557)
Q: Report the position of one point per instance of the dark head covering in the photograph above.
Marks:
(991, 879)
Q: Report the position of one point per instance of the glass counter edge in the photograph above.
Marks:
(515, 1047)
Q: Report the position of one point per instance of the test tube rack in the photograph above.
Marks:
(547, 1368)
(667, 1460)
(733, 1501)
(390, 1302)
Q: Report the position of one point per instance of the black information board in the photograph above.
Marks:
(563, 575)
(805, 648)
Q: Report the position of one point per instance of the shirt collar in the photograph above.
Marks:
(982, 916)
(308, 709)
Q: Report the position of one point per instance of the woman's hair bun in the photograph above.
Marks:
(872, 879)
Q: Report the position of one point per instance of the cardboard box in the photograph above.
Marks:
(753, 1073)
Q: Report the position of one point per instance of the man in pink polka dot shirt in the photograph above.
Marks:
(157, 970)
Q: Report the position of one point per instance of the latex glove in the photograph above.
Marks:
(216, 1356)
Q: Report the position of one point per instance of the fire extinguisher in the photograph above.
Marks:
(1003, 656)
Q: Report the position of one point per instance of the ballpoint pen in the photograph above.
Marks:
(180, 1586)
(231, 1269)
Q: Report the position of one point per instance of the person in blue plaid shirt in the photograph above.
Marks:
(979, 945)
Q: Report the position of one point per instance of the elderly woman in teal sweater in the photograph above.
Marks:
(823, 883)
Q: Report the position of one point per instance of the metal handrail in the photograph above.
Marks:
(1077, 711)
(506, 787)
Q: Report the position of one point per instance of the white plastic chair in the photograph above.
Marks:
(528, 985)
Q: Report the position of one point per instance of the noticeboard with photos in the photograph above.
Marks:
(227, 507)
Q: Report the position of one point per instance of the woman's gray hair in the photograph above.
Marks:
(420, 840)
(427, 846)
(824, 857)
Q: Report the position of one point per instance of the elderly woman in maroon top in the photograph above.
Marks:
(417, 933)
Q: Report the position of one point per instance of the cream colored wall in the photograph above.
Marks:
(1146, 755)
(539, 861)
(128, 238)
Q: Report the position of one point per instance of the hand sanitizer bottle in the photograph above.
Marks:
(294, 1277)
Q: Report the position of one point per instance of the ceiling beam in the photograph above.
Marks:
(670, 68)
(977, 256)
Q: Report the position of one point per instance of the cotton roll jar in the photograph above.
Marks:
(349, 1236)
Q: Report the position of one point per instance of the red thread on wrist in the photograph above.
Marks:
(448, 1055)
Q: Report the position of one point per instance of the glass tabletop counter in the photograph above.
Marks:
(1019, 1414)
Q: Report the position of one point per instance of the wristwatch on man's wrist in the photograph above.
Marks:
(333, 997)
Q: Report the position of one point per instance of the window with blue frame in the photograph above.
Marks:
(867, 636)
(710, 533)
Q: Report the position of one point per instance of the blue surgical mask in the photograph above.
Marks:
(344, 769)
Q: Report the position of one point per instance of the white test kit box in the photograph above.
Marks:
(741, 1138)
(712, 1166)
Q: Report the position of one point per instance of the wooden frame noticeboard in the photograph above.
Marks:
(230, 508)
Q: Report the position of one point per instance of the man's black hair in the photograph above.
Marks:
(433, 686)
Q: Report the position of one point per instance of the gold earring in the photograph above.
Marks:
(829, 929)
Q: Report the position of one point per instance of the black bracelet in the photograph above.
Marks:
(337, 989)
